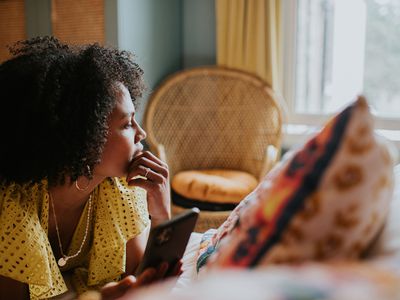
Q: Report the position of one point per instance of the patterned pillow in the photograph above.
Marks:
(328, 201)
(387, 244)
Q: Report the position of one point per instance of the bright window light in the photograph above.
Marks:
(345, 48)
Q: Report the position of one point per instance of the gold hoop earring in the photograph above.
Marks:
(86, 187)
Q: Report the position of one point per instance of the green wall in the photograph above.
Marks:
(198, 33)
(151, 29)
(37, 18)
(165, 35)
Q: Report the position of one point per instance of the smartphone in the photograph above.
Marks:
(167, 242)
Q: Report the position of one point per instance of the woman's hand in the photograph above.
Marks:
(114, 290)
(156, 184)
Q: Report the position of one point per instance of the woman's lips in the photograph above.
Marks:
(135, 156)
(137, 152)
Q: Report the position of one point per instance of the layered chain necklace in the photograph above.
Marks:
(64, 258)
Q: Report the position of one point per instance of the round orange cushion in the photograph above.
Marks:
(219, 186)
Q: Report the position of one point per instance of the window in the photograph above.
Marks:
(337, 49)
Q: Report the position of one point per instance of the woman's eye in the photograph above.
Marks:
(129, 125)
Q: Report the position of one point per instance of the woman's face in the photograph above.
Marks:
(124, 137)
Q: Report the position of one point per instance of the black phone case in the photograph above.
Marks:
(167, 242)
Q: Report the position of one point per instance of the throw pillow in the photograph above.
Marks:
(328, 201)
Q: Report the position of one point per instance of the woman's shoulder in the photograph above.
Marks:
(123, 203)
(21, 195)
(120, 214)
(23, 232)
(117, 186)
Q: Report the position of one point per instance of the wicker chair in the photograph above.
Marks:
(212, 117)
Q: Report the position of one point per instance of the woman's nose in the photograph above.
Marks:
(140, 134)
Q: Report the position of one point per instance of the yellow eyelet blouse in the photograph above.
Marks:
(119, 213)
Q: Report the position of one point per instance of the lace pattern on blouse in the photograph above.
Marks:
(119, 214)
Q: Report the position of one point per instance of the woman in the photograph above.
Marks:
(73, 174)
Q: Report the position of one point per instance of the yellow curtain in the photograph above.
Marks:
(248, 37)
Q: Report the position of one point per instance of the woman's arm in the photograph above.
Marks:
(12, 289)
(134, 251)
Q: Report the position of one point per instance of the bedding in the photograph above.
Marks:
(344, 281)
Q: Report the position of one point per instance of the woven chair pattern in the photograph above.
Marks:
(213, 118)
(207, 219)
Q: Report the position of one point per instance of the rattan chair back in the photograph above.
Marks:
(213, 117)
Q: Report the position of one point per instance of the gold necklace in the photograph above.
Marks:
(64, 258)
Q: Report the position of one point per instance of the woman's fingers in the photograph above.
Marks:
(162, 270)
(154, 158)
(114, 290)
(149, 166)
(150, 156)
(144, 173)
(176, 270)
(144, 161)
(147, 276)
(152, 274)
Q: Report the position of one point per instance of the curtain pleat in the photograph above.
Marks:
(248, 37)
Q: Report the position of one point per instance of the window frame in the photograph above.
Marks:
(388, 127)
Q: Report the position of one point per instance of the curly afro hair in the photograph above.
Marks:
(55, 104)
